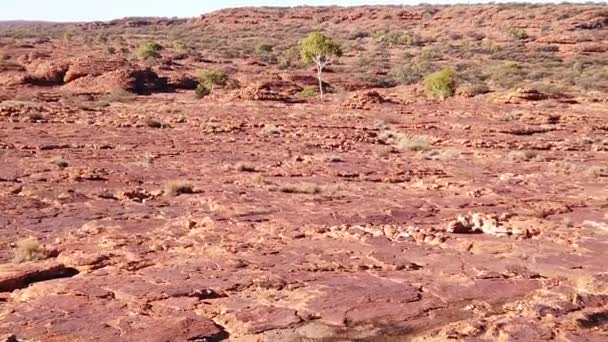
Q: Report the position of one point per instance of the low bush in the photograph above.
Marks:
(441, 84)
(309, 92)
(149, 50)
(202, 90)
(29, 249)
(176, 188)
(212, 77)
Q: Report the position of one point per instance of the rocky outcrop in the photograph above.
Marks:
(47, 73)
(364, 100)
(139, 81)
(90, 74)
(520, 95)
(263, 91)
(18, 276)
(92, 66)
(488, 224)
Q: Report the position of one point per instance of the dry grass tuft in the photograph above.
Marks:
(244, 167)
(406, 142)
(525, 156)
(176, 188)
(59, 162)
(29, 249)
(439, 155)
(300, 188)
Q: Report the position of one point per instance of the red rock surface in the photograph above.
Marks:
(300, 222)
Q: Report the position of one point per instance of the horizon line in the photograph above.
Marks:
(420, 4)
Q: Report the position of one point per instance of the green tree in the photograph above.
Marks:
(320, 50)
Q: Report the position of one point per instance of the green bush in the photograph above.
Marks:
(211, 78)
(202, 90)
(309, 92)
(441, 84)
(149, 50)
(208, 79)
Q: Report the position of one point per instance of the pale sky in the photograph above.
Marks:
(87, 10)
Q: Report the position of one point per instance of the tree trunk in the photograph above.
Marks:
(320, 70)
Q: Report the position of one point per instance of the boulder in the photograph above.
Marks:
(364, 100)
(47, 73)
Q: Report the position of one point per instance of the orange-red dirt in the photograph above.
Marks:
(371, 215)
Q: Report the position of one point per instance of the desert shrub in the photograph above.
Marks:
(485, 47)
(413, 71)
(153, 123)
(592, 78)
(29, 249)
(263, 49)
(473, 89)
(358, 35)
(377, 81)
(405, 142)
(300, 188)
(309, 92)
(289, 58)
(202, 90)
(208, 79)
(548, 48)
(212, 77)
(265, 53)
(410, 73)
(428, 55)
(441, 84)
(506, 75)
(115, 96)
(180, 46)
(439, 155)
(517, 34)
(59, 162)
(244, 167)
(475, 35)
(404, 38)
(525, 156)
(68, 36)
(149, 50)
(415, 143)
(176, 188)
(548, 88)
